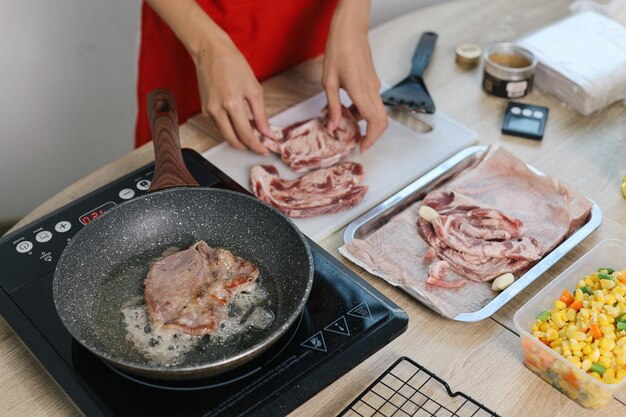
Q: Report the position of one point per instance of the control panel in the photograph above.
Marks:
(35, 250)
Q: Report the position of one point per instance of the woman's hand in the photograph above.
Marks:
(230, 92)
(348, 64)
(228, 88)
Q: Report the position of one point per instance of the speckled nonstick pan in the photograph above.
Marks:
(105, 264)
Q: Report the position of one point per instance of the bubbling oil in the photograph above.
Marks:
(162, 346)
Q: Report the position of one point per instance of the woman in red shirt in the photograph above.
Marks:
(211, 54)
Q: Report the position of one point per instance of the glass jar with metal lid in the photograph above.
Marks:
(508, 70)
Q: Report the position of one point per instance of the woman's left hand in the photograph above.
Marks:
(348, 65)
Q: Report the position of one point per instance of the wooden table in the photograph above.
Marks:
(481, 359)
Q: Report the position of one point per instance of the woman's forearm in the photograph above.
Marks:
(354, 14)
(195, 29)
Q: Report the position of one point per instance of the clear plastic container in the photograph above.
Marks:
(548, 364)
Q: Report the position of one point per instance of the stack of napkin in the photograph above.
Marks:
(582, 60)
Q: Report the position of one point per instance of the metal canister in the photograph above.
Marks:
(508, 70)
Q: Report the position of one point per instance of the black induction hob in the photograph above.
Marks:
(345, 320)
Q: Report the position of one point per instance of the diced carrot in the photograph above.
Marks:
(571, 379)
(622, 280)
(528, 345)
(546, 358)
(566, 297)
(576, 305)
(545, 341)
(595, 330)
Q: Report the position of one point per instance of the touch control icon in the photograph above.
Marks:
(43, 236)
(315, 342)
(127, 193)
(339, 326)
(362, 310)
(143, 185)
(63, 226)
(24, 246)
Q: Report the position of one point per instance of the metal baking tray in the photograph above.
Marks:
(378, 216)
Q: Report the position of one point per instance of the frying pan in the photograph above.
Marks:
(105, 264)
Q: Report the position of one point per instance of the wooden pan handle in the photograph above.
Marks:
(170, 170)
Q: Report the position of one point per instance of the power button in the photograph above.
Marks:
(24, 246)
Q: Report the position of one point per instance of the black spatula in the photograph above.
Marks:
(411, 92)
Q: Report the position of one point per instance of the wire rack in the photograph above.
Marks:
(408, 389)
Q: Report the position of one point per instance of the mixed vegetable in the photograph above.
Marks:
(588, 326)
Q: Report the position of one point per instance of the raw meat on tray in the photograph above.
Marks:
(478, 242)
(494, 217)
(307, 145)
(327, 190)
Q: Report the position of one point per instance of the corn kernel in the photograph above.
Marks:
(607, 345)
(596, 376)
(558, 320)
(594, 355)
(559, 305)
(556, 342)
(579, 295)
(571, 315)
(587, 350)
(586, 364)
(599, 297)
(576, 361)
(534, 328)
(544, 327)
(551, 334)
(602, 320)
(607, 284)
(581, 284)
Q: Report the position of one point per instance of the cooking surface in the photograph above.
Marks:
(482, 359)
(328, 340)
(412, 153)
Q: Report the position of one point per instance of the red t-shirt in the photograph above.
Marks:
(271, 34)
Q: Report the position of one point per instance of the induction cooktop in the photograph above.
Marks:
(345, 320)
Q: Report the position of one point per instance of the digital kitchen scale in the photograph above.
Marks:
(345, 320)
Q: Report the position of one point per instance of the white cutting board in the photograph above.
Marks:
(397, 158)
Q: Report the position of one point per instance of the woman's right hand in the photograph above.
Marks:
(228, 88)
(230, 93)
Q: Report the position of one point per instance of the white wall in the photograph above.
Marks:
(67, 71)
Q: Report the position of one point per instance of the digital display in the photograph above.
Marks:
(95, 213)
(524, 124)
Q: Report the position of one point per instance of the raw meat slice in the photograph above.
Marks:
(437, 272)
(479, 243)
(326, 190)
(191, 289)
(307, 145)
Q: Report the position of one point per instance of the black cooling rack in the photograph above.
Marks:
(408, 389)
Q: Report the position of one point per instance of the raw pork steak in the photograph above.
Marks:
(326, 190)
(477, 242)
(307, 145)
(191, 289)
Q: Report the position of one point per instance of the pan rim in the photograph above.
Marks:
(174, 370)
